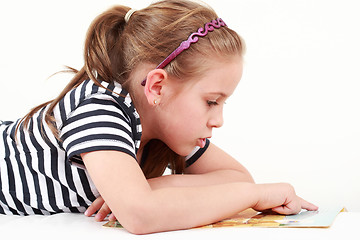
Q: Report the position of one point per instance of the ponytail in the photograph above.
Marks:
(101, 45)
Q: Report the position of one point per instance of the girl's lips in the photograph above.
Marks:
(201, 142)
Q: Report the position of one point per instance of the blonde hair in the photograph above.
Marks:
(113, 48)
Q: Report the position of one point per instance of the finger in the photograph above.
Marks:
(102, 213)
(291, 207)
(112, 217)
(294, 207)
(308, 206)
(286, 210)
(96, 205)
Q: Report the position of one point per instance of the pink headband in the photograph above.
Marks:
(193, 38)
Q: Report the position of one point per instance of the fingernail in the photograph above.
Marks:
(86, 213)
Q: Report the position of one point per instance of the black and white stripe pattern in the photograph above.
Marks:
(41, 175)
(100, 121)
(37, 174)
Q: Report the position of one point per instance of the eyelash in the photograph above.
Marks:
(212, 103)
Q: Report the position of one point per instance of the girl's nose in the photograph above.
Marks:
(216, 121)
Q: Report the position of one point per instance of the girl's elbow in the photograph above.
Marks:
(140, 227)
(136, 228)
(138, 219)
(246, 176)
(250, 179)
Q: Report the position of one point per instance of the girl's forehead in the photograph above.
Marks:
(222, 78)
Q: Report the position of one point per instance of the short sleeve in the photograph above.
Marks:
(97, 124)
(196, 154)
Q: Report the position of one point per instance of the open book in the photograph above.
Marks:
(322, 218)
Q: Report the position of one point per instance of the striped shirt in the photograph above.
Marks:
(41, 175)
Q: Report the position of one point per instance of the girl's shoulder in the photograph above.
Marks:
(91, 96)
(97, 116)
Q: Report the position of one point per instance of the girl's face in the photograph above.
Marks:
(189, 117)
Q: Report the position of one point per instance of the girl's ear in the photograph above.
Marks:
(154, 85)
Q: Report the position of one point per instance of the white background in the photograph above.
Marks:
(295, 115)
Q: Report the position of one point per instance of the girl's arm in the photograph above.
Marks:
(141, 209)
(213, 167)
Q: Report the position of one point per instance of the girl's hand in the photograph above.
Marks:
(102, 209)
(281, 198)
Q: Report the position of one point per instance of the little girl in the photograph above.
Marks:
(152, 89)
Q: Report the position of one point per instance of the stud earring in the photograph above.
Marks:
(155, 101)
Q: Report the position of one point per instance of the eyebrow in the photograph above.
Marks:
(219, 93)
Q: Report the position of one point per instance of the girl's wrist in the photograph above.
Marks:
(251, 191)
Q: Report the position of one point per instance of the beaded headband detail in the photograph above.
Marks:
(193, 38)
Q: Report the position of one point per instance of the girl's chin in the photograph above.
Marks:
(185, 151)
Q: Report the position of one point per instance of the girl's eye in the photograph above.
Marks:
(212, 103)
